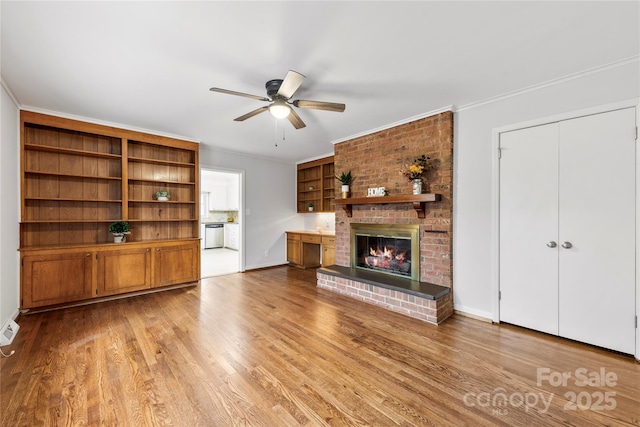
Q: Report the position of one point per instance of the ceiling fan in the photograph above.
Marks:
(279, 93)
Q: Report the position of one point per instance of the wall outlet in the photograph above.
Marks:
(8, 333)
(266, 253)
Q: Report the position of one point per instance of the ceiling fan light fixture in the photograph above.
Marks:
(279, 109)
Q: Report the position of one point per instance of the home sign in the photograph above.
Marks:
(376, 192)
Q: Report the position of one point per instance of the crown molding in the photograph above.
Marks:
(106, 123)
(553, 82)
(12, 95)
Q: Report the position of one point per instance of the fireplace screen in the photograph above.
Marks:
(387, 254)
(391, 249)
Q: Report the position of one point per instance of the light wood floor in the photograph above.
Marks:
(267, 348)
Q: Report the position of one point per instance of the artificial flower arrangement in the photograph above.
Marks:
(416, 169)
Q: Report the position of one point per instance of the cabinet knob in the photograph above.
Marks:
(566, 245)
(148, 250)
(552, 244)
(87, 254)
(157, 249)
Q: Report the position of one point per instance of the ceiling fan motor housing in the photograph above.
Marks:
(273, 86)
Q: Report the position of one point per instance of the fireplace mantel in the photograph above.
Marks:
(419, 201)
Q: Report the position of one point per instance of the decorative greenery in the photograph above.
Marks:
(310, 205)
(119, 227)
(162, 193)
(417, 168)
(345, 178)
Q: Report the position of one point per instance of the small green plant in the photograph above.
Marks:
(119, 227)
(345, 178)
(162, 193)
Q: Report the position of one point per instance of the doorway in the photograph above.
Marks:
(221, 222)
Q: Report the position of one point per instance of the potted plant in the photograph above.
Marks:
(119, 229)
(345, 179)
(162, 195)
(310, 205)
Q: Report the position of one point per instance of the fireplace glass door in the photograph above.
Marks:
(386, 250)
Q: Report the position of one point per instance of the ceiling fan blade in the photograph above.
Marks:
(290, 84)
(233, 92)
(319, 105)
(252, 113)
(295, 120)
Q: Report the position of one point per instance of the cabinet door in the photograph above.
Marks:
(233, 194)
(231, 236)
(528, 222)
(597, 216)
(175, 264)
(218, 197)
(123, 271)
(328, 251)
(293, 249)
(56, 278)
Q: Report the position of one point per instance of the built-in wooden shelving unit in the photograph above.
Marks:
(77, 178)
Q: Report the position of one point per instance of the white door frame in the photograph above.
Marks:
(495, 197)
(241, 229)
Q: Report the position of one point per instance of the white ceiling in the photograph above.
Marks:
(149, 65)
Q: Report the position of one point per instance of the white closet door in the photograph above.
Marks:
(597, 217)
(528, 222)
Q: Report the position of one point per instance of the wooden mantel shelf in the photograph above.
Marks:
(419, 202)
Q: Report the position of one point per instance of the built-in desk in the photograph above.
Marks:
(310, 249)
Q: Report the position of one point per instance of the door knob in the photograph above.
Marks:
(566, 245)
(552, 244)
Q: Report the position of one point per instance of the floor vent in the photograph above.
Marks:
(8, 333)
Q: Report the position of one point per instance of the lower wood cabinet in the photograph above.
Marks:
(176, 263)
(55, 278)
(125, 270)
(306, 249)
(328, 250)
(293, 248)
(59, 276)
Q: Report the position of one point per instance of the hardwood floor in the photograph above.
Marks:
(267, 348)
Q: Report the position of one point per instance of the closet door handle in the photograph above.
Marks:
(566, 245)
(552, 244)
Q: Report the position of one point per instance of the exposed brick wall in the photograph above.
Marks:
(376, 160)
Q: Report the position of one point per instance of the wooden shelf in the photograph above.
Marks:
(159, 162)
(319, 175)
(84, 153)
(419, 202)
(67, 221)
(160, 201)
(62, 199)
(78, 176)
(162, 181)
(162, 220)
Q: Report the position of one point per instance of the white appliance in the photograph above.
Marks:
(231, 236)
(214, 236)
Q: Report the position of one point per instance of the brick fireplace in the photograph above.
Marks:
(377, 160)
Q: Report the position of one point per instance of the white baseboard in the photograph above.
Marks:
(485, 316)
(259, 266)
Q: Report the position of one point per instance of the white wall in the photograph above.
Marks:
(9, 209)
(269, 204)
(474, 156)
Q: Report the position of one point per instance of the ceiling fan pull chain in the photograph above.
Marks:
(276, 135)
